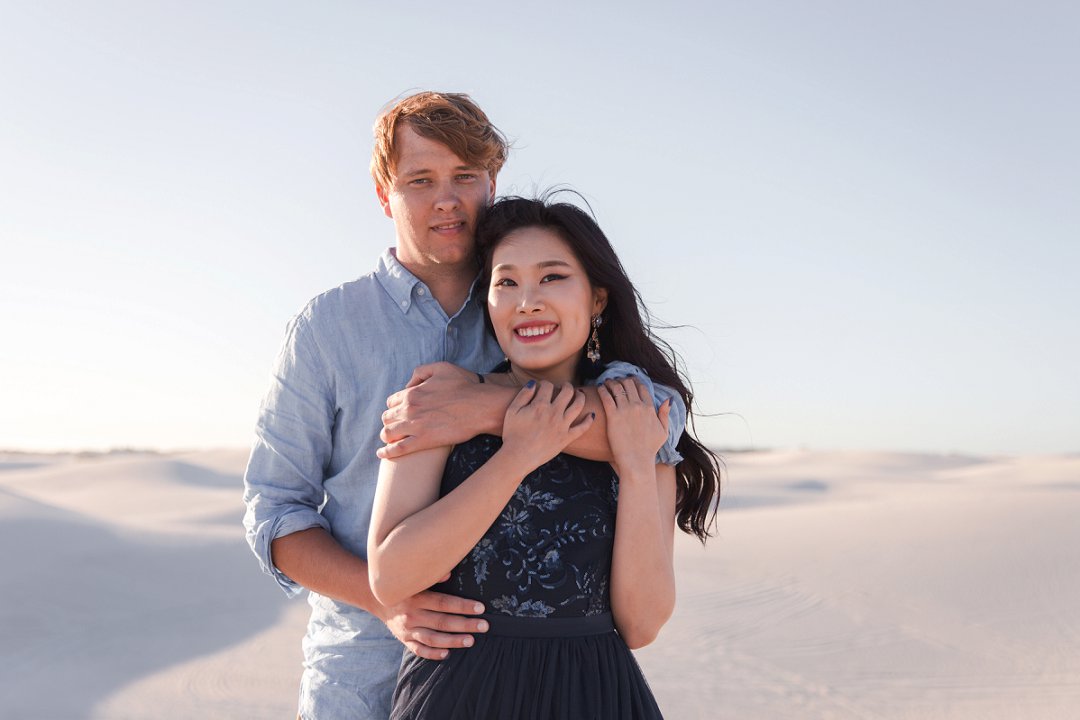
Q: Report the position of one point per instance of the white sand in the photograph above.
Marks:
(843, 585)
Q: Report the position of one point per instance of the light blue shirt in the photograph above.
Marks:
(313, 463)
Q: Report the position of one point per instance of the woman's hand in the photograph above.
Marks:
(541, 421)
(635, 431)
(645, 520)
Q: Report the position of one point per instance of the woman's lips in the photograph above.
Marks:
(534, 332)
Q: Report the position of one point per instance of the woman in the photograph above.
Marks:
(562, 551)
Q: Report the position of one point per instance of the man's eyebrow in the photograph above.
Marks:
(427, 171)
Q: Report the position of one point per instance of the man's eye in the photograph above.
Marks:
(419, 181)
(466, 177)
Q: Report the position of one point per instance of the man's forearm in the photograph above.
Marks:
(593, 445)
(317, 561)
(445, 405)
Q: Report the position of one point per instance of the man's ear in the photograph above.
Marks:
(599, 300)
(384, 200)
(491, 197)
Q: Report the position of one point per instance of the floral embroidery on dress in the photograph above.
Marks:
(549, 551)
(529, 608)
(481, 555)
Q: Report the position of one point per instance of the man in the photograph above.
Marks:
(313, 469)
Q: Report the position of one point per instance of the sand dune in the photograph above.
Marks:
(841, 585)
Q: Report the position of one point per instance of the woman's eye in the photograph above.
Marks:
(504, 282)
(552, 276)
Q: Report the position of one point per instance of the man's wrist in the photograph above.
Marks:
(493, 400)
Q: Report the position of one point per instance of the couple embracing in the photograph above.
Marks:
(516, 530)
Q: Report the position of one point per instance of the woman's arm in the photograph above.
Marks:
(642, 565)
(416, 537)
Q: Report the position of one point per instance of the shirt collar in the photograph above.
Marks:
(399, 283)
(395, 279)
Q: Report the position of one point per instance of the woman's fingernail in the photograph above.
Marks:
(530, 383)
(482, 626)
(478, 607)
(592, 415)
(467, 641)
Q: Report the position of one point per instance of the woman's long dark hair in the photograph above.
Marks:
(624, 335)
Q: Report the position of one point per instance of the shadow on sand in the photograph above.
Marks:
(87, 609)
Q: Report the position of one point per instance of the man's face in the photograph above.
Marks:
(434, 199)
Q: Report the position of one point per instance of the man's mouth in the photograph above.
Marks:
(449, 226)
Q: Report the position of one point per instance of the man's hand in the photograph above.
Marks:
(439, 406)
(429, 624)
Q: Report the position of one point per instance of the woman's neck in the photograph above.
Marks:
(519, 376)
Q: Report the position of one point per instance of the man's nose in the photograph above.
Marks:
(447, 198)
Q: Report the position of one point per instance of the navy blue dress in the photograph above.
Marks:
(542, 571)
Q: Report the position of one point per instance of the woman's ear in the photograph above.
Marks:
(599, 300)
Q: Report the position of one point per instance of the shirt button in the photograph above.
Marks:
(404, 303)
(420, 292)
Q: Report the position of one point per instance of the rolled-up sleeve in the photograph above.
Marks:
(667, 455)
(283, 484)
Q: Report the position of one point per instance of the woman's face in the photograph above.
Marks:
(541, 304)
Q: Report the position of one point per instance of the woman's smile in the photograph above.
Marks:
(534, 331)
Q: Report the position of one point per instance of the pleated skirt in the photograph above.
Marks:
(529, 669)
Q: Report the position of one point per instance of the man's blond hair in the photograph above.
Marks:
(452, 119)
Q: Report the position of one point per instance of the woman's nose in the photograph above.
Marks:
(530, 302)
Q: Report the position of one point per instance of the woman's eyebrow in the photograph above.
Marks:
(541, 264)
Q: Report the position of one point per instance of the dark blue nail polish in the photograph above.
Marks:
(530, 383)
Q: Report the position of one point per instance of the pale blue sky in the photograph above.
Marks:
(867, 216)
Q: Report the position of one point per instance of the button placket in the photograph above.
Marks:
(450, 340)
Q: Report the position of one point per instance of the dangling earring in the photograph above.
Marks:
(592, 347)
